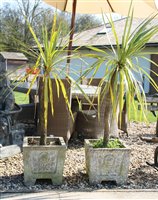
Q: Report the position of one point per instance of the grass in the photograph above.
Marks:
(21, 98)
(150, 117)
(113, 143)
(135, 115)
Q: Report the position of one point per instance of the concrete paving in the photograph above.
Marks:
(99, 194)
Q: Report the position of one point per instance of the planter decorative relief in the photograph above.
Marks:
(105, 164)
(44, 161)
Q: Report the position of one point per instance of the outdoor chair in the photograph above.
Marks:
(88, 124)
(61, 123)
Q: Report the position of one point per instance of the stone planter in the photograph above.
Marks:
(105, 164)
(44, 161)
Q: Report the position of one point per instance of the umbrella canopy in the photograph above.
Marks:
(142, 8)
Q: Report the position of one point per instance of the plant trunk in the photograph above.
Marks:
(107, 114)
(110, 120)
(42, 131)
(114, 125)
(124, 119)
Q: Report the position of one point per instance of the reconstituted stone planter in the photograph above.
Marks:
(105, 164)
(44, 161)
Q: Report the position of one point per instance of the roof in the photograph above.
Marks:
(98, 36)
(13, 56)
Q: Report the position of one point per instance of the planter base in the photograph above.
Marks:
(30, 181)
(44, 162)
(105, 164)
(95, 180)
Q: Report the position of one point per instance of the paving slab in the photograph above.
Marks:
(9, 151)
(98, 194)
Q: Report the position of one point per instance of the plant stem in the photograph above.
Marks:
(108, 110)
(43, 139)
(108, 114)
(41, 128)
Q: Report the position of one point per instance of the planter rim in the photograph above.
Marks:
(88, 143)
(26, 145)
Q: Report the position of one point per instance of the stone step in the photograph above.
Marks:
(9, 151)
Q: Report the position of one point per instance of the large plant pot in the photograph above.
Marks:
(105, 164)
(44, 161)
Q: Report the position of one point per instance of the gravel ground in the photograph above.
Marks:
(141, 175)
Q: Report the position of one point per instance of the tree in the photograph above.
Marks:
(29, 12)
(84, 22)
(11, 26)
(13, 23)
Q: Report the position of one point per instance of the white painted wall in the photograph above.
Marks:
(146, 67)
(77, 66)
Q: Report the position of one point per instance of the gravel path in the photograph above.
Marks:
(141, 176)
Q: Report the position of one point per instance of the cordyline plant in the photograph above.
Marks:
(50, 54)
(120, 69)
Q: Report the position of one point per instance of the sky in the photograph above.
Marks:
(12, 3)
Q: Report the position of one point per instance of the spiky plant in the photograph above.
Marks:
(121, 82)
(49, 54)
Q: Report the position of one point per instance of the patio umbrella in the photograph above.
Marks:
(142, 8)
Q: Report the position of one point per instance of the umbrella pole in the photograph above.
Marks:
(71, 35)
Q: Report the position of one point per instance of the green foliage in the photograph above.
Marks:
(49, 56)
(11, 26)
(50, 53)
(21, 98)
(120, 70)
(137, 116)
(14, 23)
(85, 22)
(112, 143)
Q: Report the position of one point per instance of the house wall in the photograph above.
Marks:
(16, 68)
(78, 66)
(13, 67)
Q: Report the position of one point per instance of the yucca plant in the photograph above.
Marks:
(120, 70)
(49, 54)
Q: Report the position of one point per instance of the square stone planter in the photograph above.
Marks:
(44, 161)
(105, 164)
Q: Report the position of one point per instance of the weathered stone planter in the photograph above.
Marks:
(105, 164)
(44, 161)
